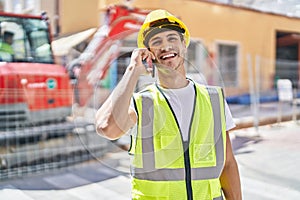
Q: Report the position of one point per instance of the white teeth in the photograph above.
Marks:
(168, 56)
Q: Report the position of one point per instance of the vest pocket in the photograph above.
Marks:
(169, 142)
(204, 154)
(168, 152)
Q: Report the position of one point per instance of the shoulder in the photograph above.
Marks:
(207, 87)
(147, 90)
(209, 90)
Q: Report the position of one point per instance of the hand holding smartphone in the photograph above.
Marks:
(153, 68)
(150, 65)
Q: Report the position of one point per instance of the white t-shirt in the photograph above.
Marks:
(182, 102)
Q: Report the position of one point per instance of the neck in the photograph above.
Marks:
(172, 82)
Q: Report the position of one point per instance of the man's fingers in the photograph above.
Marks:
(152, 56)
(142, 57)
(146, 55)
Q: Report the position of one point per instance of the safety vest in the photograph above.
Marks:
(164, 166)
(4, 47)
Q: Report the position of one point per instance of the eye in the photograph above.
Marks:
(172, 39)
(155, 43)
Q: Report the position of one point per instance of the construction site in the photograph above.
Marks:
(56, 78)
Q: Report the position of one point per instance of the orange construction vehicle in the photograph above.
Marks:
(33, 89)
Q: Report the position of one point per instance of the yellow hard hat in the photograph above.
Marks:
(161, 19)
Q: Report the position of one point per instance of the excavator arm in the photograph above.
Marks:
(92, 65)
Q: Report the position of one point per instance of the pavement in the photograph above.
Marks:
(107, 179)
(269, 161)
(268, 157)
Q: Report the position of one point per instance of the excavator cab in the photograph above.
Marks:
(33, 89)
(25, 39)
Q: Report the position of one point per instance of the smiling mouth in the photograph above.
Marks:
(168, 56)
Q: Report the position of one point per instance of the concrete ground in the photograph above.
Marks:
(268, 159)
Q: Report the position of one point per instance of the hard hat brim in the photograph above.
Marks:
(146, 25)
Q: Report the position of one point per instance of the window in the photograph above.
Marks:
(227, 60)
(196, 61)
(29, 4)
(21, 6)
(31, 40)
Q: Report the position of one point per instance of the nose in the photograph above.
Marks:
(166, 46)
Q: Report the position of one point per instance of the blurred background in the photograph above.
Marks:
(64, 57)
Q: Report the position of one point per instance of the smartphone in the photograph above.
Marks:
(148, 65)
(153, 68)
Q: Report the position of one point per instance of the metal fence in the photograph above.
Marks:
(37, 147)
(51, 146)
(30, 147)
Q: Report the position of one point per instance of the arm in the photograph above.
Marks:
(230, 178)
(114, 117)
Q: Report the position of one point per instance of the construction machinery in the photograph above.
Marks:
(105, 53)
(38, 128)
(33, 89)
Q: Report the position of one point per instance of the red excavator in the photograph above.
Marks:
(37, 95)
(104, 50)
(33, 89)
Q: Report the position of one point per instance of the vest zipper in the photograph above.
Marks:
(187, 165)
(187, 162)
(187, 154)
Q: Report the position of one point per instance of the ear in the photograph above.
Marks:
(184, 46)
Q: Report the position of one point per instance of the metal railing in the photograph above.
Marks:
(41, 148)
(35, 139)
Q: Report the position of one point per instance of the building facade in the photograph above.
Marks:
(240, 43)
(231, 46)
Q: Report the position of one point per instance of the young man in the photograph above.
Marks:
(181, 149)
(6, 46)
(7, 42)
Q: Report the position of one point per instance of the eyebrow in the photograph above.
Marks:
(157, 37)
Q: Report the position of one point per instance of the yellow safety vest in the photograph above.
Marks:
(164, 166)
(4, 47)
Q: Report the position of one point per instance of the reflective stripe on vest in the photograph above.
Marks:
(149, 172)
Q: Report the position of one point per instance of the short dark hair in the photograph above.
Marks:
(7, 34)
